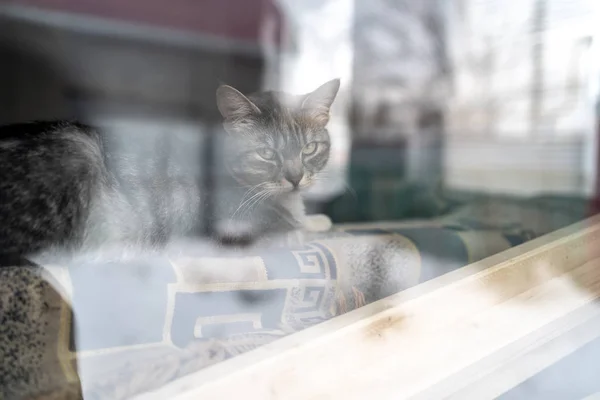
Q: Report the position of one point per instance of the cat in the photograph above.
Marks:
(67, 187)
(275, 146)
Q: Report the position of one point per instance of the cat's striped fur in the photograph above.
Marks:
(67, 186)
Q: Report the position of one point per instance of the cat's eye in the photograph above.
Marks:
(266, 153)
(310, 148)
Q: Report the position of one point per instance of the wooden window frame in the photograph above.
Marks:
(473, 333)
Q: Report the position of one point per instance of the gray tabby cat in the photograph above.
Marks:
(66, 187)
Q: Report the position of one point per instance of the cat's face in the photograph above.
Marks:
(279, 142)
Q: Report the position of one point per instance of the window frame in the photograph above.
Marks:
(372, 352)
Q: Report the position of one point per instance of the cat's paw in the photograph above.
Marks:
(317, 223)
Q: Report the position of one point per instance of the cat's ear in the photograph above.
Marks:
(318, 102)
(233, 105)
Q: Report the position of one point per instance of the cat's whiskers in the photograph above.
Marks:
(252, 190)
(257, 200)
(247, 204)
(248, 195)
(245, 201)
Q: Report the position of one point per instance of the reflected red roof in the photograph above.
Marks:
(231, 19)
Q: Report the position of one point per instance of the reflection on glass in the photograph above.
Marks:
(456, 130)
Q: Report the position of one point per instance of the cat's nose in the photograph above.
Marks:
(293, 172)
(294, 179)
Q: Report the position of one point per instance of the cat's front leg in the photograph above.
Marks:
(317, 223)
